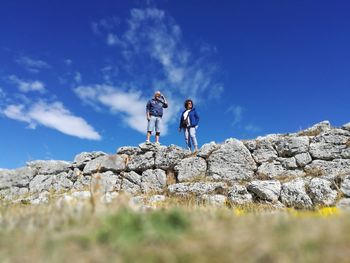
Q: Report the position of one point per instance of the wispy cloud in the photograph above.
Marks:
(237, 112)
(28, 85)
(32, 65)
(152, 55)
(52, 115)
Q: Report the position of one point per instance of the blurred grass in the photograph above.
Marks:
(175, 232)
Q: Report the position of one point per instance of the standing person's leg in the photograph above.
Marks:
(187, 138)
(192, 132)
(150, 128)
(157, 127)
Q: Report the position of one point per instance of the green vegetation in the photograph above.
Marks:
(174, 232)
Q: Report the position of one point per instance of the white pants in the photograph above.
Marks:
(190, 135)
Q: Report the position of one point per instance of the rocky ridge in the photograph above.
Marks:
(301, 170)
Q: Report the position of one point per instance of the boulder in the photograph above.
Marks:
(289, 147)
(206, 150)
(303, 159)
(140, 162)
(190, 168)
(293, 194)
(328, 169)
(346, 126)
(48, 182)
(185, 189)
(129, 150)
(153, 181)
(264, 152)
(115, 163)
(49, 167)
(239, 195)
(232, 161)
(106, 182)
(131, 182)
(83, 158)
(344, 204)
(265, 190)
(321, 192)
(167, 157)
(19, 178)
(345, 186)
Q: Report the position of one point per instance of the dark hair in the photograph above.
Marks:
(186, 103)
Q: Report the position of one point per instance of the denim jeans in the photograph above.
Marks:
(190, 135)
(154, 123)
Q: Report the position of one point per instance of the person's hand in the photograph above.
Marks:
(148, 118)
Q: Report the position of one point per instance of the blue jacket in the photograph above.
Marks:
(155, 107)
(193, 116)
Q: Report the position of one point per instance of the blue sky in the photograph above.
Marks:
(76, 75)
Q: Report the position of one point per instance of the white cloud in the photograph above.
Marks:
(68, 62)
(52, 115)
(237, 112)
(27, 86)
(252, 128)
(32, 65)
(77, 77)
(130, 105)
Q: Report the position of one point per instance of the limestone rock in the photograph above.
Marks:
(47, 182)
(184, 189)
(345, 186)
(153, 181)
(207, 149)
(16, 178)
(167, 157)
(49, 167)
(131, 182)
(265, 190)
(83, 158)
(141, 162)
(264, 152)
(289, 163)
(328, 169)
(190, 168)
(238, 194)
(114, 163)
(344, 204)
(82, 183)
(293, 194)
(232, 161)
(303, 159)
(106, 182)
(346, 126)
(321, 192)
(157, 199)
(128, 150)
(289, 147)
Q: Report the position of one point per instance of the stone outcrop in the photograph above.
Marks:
(301, 170)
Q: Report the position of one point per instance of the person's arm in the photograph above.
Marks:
(164, 101)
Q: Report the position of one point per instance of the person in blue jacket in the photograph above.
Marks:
(154, 114)
(189, 123)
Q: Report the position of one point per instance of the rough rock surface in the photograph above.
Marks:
(301, 170)
(232, 161)
(265, 190)
(293, 194)
(191, 168)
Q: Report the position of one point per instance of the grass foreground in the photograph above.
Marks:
(172, 232)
